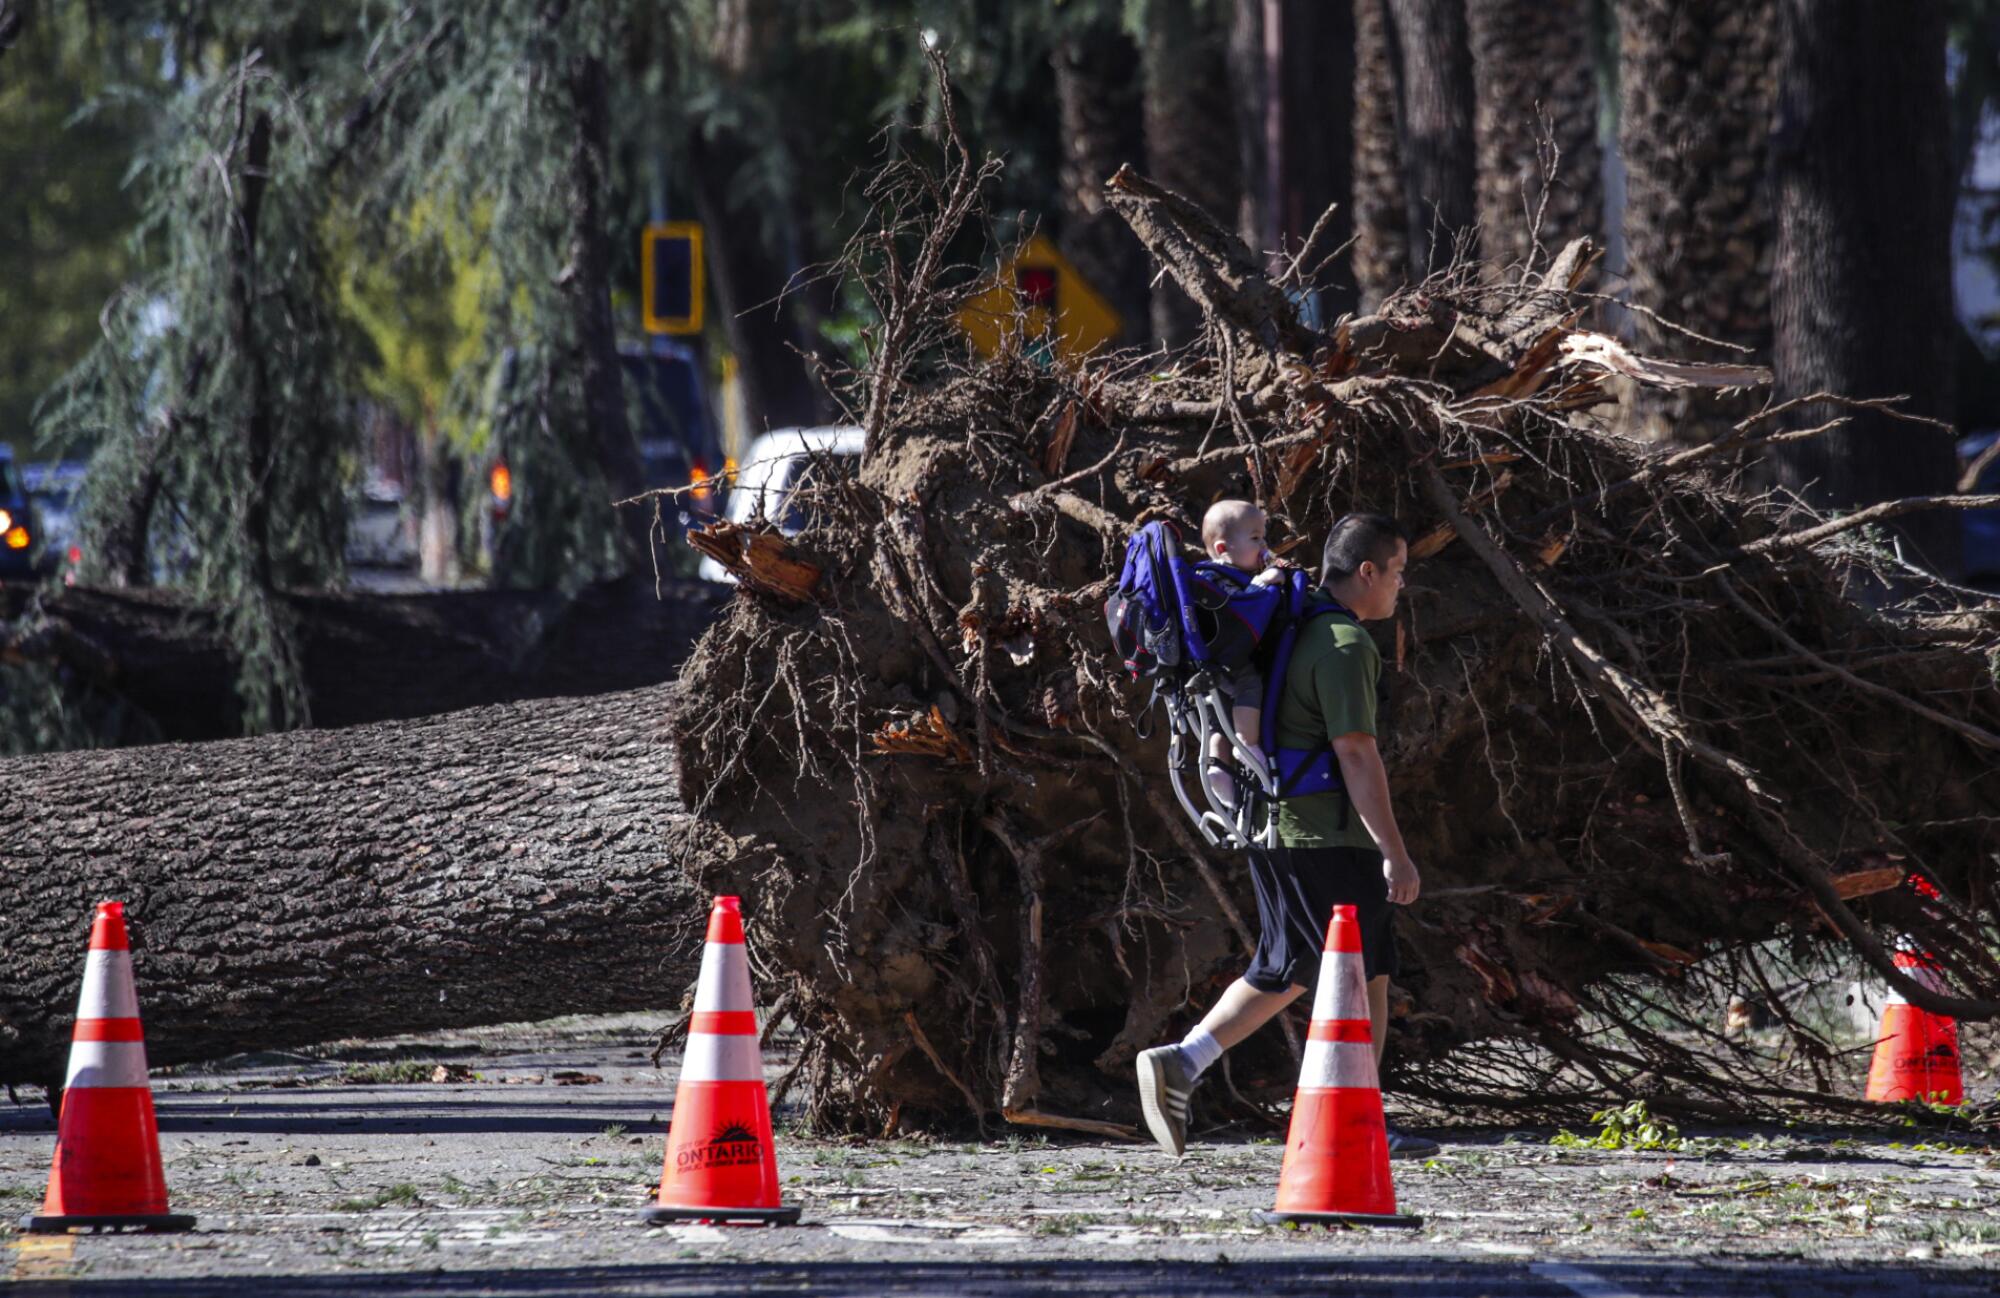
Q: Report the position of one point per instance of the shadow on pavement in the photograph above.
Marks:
(1060, 1278)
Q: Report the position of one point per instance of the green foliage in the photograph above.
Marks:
(64, 149)
(175, 391)
(1630, 1127)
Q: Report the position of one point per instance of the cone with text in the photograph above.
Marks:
(721, 1166)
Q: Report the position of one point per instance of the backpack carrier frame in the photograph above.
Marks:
(1188, 627)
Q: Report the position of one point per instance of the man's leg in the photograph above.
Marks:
(1401, 1143)
(1167, 1074)
(1242, 1010)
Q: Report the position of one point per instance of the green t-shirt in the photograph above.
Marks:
(1329, 691)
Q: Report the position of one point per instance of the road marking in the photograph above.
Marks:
(43, 1257)
(1582, 1283)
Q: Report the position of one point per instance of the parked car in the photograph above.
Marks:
(1982, 526)
(19, 529)
(776, 466)
(56, 492)
(677, 439)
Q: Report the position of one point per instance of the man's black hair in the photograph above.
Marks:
(1358, 539)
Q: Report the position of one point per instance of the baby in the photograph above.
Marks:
(1232, 534)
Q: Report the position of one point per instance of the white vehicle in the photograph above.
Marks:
(776, 465)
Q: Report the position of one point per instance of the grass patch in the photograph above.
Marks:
(398, 1072)
(402, 1193)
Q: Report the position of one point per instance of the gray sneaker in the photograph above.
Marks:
(1164, 1086)
(1404, 1145)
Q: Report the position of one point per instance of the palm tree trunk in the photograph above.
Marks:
(1381, 223)
(1694, 128)
(1535, 126)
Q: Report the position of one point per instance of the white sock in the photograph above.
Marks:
(1200, 1049)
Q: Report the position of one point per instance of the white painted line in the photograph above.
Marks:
(1503, 1250)
(1582, 1283)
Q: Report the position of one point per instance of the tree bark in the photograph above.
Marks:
(1099, 113)
(1190, 131)
(1313, 76)
(1694, 133)
(1862, 279)
(500, 864)
(1432, 65)
(589, 286)
(1535, 126)
(1381, 221)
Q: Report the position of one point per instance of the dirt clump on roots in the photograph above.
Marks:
(1655, 738)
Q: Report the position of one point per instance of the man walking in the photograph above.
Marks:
(1337, 846)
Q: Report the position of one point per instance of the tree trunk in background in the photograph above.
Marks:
(509, 863)
(1432, 66)
(1190, 125)
(589, 287)
(1097, 101)
(1250, 92)
(1697, 88)
(1861, 284)
(747, 280)
(153, 665)
(1381, 256)
(1311, 68)
(1535, 119)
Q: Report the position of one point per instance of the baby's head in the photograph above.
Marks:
(1232, 532)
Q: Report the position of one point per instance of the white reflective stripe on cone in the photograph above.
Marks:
(725, 979)
(1342, 992)
(720, 1057)
(1330, 1064)
(107, 987)
(107, 1063)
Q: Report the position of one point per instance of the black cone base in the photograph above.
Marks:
(1403, 1221)
(779, 1216)
(35, 1224)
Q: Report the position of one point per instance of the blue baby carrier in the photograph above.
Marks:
(1189, 628)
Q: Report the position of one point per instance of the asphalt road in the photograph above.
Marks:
(338, 1175)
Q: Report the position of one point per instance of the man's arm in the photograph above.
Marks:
(1368, 791)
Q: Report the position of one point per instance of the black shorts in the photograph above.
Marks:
(1297, 889)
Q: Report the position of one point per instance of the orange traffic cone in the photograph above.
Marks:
(720, 1163)
(1337, 1153)
(1916, 1051)
(107, 1172)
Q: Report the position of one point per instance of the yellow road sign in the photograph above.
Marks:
(1039, 298)
(670, 277)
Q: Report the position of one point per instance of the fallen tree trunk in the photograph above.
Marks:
(148, 665)
(1627, 743)
(498, 864)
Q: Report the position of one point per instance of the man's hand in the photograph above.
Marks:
(1401, 872)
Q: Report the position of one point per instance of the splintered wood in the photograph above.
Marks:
(760, 560)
